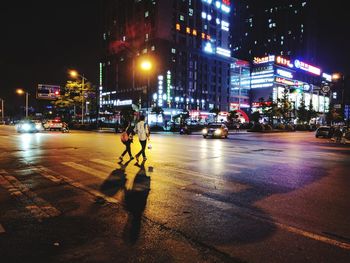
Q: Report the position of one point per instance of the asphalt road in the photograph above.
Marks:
(280, 197)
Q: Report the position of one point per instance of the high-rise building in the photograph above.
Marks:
(186, 44)
(281, 27)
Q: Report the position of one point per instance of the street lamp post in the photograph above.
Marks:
(75, 74)
(20, 92)
(146, 66)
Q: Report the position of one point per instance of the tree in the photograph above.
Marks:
(255, 117)
(73, 94)
(311, 113)
(232, 116)
(302, 112)
(216, 111)
(157, 110)
(285, 106)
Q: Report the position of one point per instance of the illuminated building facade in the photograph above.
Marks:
(187, 43)
(283, 27)
(271, 75)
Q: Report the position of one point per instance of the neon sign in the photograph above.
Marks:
(168, 86)
(306, 67)
(288, 82)
(284, 73)
(283, 61)
(261, 60)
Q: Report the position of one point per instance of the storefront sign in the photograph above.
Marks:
(261, 60)
(309, 68)
(283, 61)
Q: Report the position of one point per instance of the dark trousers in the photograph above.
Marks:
(143, 148)
(128, 148)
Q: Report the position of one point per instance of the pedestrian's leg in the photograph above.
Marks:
(143, 145)
(139, 153)
(128, 148)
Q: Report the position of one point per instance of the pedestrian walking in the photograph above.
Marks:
(142, 131)
(127, 139)
(338, 135)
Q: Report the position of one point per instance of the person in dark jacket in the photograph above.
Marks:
(128, 142)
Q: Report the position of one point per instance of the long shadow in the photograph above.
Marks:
(115, 181)
(135, 203)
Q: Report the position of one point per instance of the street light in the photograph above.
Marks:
(21, 92)
(146, 66)
(75, 74)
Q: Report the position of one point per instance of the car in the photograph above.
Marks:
(215, 130)
(53, 125)
(26, 126)
(323, 131)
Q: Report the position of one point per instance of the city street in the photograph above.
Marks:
(277, 197)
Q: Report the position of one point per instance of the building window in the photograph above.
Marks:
(190, 12)
(182, 18)
(146, 14)
(173, 50)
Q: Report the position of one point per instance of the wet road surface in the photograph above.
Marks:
(251, 198)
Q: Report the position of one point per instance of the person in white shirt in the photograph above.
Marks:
(142, 131)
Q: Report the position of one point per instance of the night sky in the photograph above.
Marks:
(41, 40)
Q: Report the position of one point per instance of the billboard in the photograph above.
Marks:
(48, 92)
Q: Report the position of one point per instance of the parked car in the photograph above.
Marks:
(324, 131)
(53, 125)
(26, 126)
(217, 130)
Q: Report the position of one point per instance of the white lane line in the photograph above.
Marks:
(37, 206)
(2, 229)
(88, 170)
(59, 178)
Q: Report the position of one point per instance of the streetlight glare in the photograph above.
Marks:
(19, 91)
(146, 65)
(73, 73)
(335, 76)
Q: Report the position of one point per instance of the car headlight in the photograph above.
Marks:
(205, 131)
(26, 127)
(217, 132)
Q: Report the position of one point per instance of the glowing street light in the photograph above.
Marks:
(21, 92)
(75, 74)
(146, 66)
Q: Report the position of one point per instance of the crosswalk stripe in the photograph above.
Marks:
(60, 178)
(85, 169)
(37, 206)
(2, 229)
(218, 183)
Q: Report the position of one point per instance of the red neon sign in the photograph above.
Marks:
(226, 2)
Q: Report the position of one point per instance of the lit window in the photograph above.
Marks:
(208, 37)
(173, 50)
(182, 18)
(178, 27)
(204, 15)
(146, 14)
(203, 35)
(188, 30)
(194, 32)
(190, 12)
(153, 48)
(209, 17)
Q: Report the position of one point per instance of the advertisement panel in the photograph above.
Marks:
(48, 92)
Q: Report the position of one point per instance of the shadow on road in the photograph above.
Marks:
(135, 203)
(115, 181)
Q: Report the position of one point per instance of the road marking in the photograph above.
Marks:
(60, 178)
(218, 183)
(37, 206)
(88, 170)
(2, 229)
